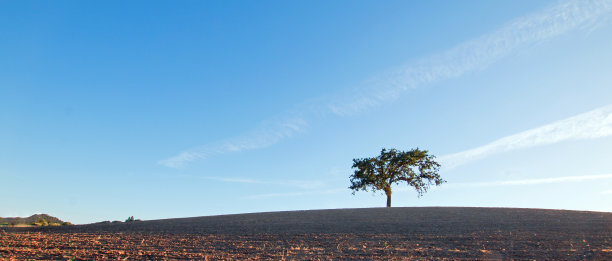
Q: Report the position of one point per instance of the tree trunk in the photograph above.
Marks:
(388, 199)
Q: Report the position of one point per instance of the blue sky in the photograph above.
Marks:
(165, 109)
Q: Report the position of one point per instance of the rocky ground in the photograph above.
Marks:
(379, 233)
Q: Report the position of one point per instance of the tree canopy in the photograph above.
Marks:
(415, 167)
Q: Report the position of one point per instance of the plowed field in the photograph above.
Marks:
(377, 233)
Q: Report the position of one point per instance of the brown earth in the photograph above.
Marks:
(376, 233)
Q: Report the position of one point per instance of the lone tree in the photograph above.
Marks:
(415, 167)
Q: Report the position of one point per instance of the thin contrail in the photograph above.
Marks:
(590, 125)
(296, 194)
(301, 184)
(532, 181)
(503, 183)
(470, 56)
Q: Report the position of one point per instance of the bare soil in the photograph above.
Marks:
(375, 233)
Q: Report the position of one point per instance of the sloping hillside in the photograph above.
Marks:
(29, 220)
(410, 220)
(338, 234)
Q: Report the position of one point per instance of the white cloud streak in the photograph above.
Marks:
(302, 184)
(264, 136)
(523, 182)
(476, 54)
(590, 125)
(470, 56)
(296, 194)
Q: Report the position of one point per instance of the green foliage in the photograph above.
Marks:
(130, 219)
(41, 223)
(415, 167)
(4, 224)
(66, 224)
(31, 220)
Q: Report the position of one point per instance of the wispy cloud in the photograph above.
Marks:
(521, 182)
(301, 184)
(590, 125)
(296, 194)
(265, 135)
(473, 55)
(476, 54)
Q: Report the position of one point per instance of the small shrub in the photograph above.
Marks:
(130, 219)
(41, 223)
